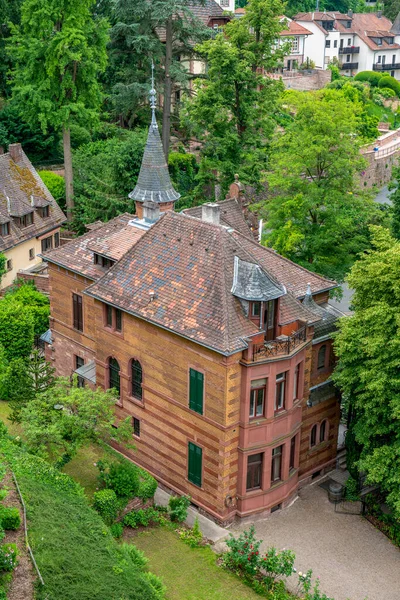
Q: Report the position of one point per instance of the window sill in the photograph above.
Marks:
(136, 401)
(119, 404)
(113, 331)
(199, 487)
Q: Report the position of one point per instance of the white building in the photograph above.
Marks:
(296, 34)
(359, 42)
(227, 5)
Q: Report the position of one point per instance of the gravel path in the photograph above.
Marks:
(353, 559)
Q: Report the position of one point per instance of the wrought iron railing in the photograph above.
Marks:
(350, 50)
(385, 66)
(282, 346)
(349, 66)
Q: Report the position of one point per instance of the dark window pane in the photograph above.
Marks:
(136, 426)
(195, 464)
(56, 240)
(322, 431)
(118, 320)
(77, 310)
(113, 366)
(254, 472)
(276, 470)
(321, 357)
(137, 375)
(109, 315)
(292, 452)
(313, 437)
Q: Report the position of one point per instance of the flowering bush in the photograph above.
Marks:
(277, 564)
(307, 590)
(8, 557)
(193, 537)
(243, 554)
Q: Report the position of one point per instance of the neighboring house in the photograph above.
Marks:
(296, 34)
(227, 5)
(359, 41)
(220, 349)
(30, 218)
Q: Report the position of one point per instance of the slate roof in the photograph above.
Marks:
(251, 283)
(21, 192)
(179, 276)
(77, 256)
(327, 313)
(154, 183)
(231, 215)
(204, 12)
(322, 392)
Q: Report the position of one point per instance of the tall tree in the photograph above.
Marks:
(232, 111)
(368, 369)
(391, 9)
(317, 214)
(394, 186)
(161, 30)
(59, 51)
(10, 11)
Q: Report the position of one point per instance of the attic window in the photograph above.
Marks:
(348, 24)
(379, 41)
(25, 220)
(44, 212)
(103, 261)
(5, 229)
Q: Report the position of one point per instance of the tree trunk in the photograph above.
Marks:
(166, 129)
(69, 176)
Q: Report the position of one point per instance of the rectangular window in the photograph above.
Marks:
(196, 390)
(195, 463)
(348, 58)
(9, 265)
(276, 466)
(328, 44)
(295, 44)
(47, 243)
(77, 310)
(292, 453)
(379, 59)
(335, 44)
(296, 381)
(56, 240)
(255, 309)
(136, 426)
(31, 253)
(393, 59)
(349, 42)
(254, 471)
(26, 220)
(109, 315)
(383, 59)
(280, 391)
(118, 319)
(79, 362)
(257, 398)
(392, 73)
(44, 212)
(5, 229)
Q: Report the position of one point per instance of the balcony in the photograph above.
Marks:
(350, 50)
(385, 66)
(282, 346)
(349, 66)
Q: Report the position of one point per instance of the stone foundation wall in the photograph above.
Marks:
(315, 80)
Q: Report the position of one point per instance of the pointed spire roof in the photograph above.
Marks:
(154, 183)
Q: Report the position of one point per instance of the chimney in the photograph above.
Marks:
(217, 191)
(151, 211)
(379, 14)
(350, 14)
(210, 213)
(15, 151)
(8, 205)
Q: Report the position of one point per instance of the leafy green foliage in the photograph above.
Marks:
(368, 373)
(105, 502)
(117, 530)
(8, 557)
(56, 186)
(178, 508)
(351, 489)
(192, 536)
(157, 585)
(16, 329)
(317, 214)
(3, 269)
(183, 169)
(143, 517)
(64, 418)
(394, 186)
(25, 293)
(10, 518)
(232, 110)
(122, 477)
(9, 12)
(386, 81)
(386, 521)
(391, 9)
(373, 77)
(138, 558)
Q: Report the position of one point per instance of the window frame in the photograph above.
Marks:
(47, 243)
(77, 312)
(112, 371)
(278, 456)
(57, 239)
(9, 265)
(254, 401)
(323, 429)
(5, 229)
(322, 352)
(292, 457)
(136, 427)
(327, 43)
(254, 471)
(313, 435)
(196, 399)
(79, 362)
(136, 385)
(112, 318)
(32, 253)
(280, 384)
(195, 475)
(296, 382)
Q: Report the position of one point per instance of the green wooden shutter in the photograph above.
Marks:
(196, 385)
(195, 464)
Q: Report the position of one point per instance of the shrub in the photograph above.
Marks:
(178, 508)
(193, 537)
(351, 490)
(55, 184)
(3, 495)
(277, 564)
(123, 478)
(306, 587)
(105, 502)
(243, 554)
(157, 585)
(2, 533)
(143, 517)
(387, 92)
(130, 552)
(371, 76)
(147, 486)
(10, 518)
(390, 82)
(117, 529)
(8, 557)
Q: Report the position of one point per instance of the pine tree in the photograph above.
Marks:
(59, 50)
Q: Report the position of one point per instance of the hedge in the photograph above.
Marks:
(390, 82)
(371, 76)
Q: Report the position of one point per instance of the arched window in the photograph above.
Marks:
(114, 380)
(313, 436)
(323, 430)
(321, 357)
(137, 377)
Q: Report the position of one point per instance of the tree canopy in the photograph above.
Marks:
(368, 370)
(317, 214)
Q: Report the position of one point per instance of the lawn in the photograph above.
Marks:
(189, 573)
(4, 412)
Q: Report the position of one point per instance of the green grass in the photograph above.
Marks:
(189, 573)
(82, 468)
(4, 412)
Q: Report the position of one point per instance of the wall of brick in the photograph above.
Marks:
(41, 281)
(307, 82)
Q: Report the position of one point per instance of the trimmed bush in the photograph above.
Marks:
(371, 76)
(147, 486)
(10, 518)
(143, 517)
(178, 508)
(8, 557)
(390, 82)
(117, 529)
(387, 93)
(106, 504)
(123, 478)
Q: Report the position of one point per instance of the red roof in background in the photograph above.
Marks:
(295, 29)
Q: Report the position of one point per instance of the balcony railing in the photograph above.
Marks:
(350, 50)
(348, 65)
(386, 66)
(282, 346)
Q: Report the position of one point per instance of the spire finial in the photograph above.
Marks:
(308, 292)
(153, 94)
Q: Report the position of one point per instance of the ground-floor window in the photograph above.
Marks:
(254, 472)
(195, 464)
(276, 466)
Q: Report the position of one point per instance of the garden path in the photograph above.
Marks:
(353, 559)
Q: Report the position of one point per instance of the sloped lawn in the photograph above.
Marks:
(188, 573)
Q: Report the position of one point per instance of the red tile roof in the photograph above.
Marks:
(295, 29)
(231, 215)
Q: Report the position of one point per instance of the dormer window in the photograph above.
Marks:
(255, 309)
(348, 24)
(107, 263)
(44, 212)
(5, 229)
(25, 220)
(379, 41)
